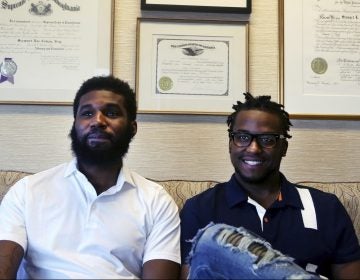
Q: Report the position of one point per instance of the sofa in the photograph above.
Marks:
(180, 190)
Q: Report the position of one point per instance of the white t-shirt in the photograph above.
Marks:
(68, 231)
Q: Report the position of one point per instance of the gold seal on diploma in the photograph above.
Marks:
(319, 65)
(165, 83)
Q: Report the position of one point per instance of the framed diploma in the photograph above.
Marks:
(218, 6)
(320, 58)
(189, 66)
(48, 48)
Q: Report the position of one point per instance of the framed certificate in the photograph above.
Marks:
(47, 49)
(218, 6)
(190, 67)
(320, 58)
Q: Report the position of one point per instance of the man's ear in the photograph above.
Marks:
(229, 145)
(285, 147)
(134, 128)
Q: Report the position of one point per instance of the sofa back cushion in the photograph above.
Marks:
(181, 190)
(9, 178)
(347, 192)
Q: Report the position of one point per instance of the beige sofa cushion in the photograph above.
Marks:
(9, 178)
(181, 190)
(348, 193)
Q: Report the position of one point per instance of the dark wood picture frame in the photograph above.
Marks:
(181, 6)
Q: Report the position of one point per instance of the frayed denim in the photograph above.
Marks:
(221, 251)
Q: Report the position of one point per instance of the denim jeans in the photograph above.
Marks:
(221, 251)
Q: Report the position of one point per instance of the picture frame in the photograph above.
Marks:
(319, 59)
(48, 49)
(216, 6)
(190, 66)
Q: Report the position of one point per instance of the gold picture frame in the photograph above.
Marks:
(190, 66)
(48, 49)
(319, 59)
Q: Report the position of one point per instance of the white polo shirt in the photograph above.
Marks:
(68, 231)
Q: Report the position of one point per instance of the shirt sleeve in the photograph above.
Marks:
(163, 241)
(347, 244)
(12, 218)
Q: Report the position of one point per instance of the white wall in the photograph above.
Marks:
(33, 138)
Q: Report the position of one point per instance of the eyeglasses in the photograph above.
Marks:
(244, 139)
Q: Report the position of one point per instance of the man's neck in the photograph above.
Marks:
(102, 177)
(266, 192)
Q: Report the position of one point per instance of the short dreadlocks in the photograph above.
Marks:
(262, 103)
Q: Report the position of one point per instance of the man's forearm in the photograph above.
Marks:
(11, 254)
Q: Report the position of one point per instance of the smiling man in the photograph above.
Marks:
(258, 206)
(91, 218)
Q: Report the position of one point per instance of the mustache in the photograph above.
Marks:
(98, 133)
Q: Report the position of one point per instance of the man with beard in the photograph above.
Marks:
(258, 207)
(92, 217)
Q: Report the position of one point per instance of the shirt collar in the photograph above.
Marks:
(235, 194)
(71, 168)
(124, 177)
(290, 196)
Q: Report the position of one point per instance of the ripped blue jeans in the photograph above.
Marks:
(224, 252)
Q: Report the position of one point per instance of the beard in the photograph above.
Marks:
(104, 156)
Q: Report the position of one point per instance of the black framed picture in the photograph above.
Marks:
(215, 6)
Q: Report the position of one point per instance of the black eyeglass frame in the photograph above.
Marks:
(252, 136)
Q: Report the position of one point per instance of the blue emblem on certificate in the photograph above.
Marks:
(8, 69)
